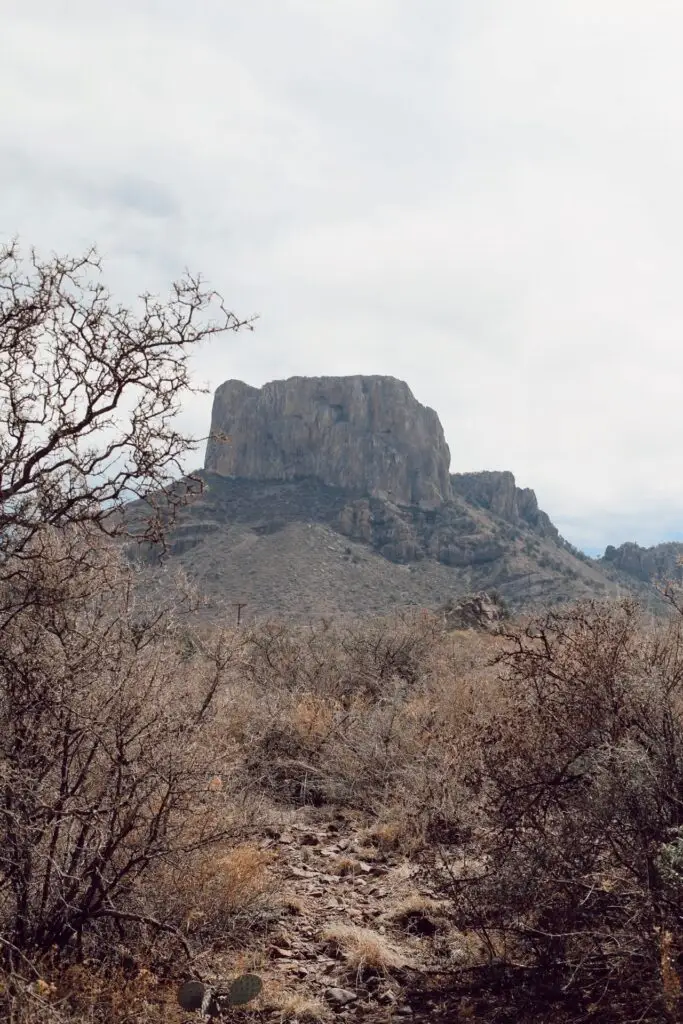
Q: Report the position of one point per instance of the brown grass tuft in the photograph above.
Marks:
(419, 914)
(211, 893)
(346, 866)
(297, 1006)
(362, 948)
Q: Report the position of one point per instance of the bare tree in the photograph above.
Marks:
(106, 740)
(88, 395)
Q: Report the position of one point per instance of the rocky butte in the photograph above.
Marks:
(335, 493)
(364, 434)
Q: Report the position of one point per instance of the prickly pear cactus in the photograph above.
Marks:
(195, 995)
(244, 989)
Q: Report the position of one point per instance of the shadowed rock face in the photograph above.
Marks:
(365, 434)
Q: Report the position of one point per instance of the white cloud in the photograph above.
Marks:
(480, 197)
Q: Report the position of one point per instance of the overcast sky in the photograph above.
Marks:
(481, 197)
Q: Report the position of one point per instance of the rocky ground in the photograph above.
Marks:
(359, 931)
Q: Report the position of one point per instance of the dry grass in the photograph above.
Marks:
(314, 716)
(343, 866)
(374, 745)
(362, 949)
(88, 993)
(296, 1006)
(391, 752)
(419, 914)
(389, 836)
(294, 904)
(218, 892)
(243, 876)
(376, 717)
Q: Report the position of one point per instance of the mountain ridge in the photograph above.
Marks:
(314, 511)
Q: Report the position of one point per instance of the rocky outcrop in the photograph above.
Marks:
(365, 434)
(660, 562)
(498, 492)
(448, 534)
(335, 492)
(477, 611)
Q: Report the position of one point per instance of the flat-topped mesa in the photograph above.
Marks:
(364, 434)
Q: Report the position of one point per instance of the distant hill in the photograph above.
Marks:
(333, 496)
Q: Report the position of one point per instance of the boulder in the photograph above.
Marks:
(479, 611)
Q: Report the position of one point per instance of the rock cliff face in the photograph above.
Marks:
(364, 434)
(497, 492)
(647, 564)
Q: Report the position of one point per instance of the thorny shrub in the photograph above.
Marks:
(109, 709)
(575, 875)
(374, 716)
(89, 392)
(109, 741)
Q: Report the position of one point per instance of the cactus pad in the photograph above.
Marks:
(195, 995)
(244, 989)
(191, 995)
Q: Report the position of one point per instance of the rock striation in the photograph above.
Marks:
(364, 434)
(335, 493)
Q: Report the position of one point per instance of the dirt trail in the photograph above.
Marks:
(360, 930)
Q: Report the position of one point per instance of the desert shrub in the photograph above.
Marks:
(355, 733)
(107, 746)
(379, 651)
(342, 660)
(574, 873)
(214, 892)
(320, 751)
(279, 656)
(89, 391)
(363, 949)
